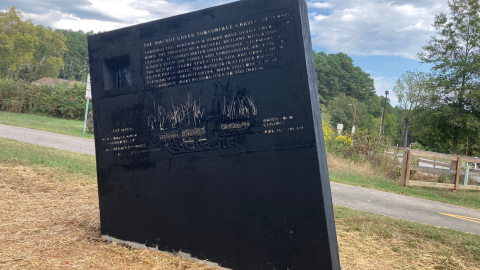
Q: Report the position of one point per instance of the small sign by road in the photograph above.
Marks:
(339, 128)
(88, 93)
(88, 96)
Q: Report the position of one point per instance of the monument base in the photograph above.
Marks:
(180, 254)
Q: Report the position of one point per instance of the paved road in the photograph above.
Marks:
(408, 208)
(439, 164)
(49, 139)
(393, 205)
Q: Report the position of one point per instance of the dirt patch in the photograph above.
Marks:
(381, 250)
(48, 224)
(50, 220)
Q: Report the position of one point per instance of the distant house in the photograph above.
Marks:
(52, 81)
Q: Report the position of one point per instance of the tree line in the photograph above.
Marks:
(30, 52)
(347, 94)
(443, 107)
(439, 109)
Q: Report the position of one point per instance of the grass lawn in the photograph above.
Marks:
(362, 175)
(45, 123)
(30, 155)
(50, 220)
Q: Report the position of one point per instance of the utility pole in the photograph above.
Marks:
(466, 151)
(354, 117)
(381, 121)
(383, 113)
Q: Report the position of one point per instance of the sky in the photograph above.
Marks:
(381, 36)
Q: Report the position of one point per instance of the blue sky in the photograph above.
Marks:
(382, 36)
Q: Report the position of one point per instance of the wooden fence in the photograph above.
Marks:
(407, 167)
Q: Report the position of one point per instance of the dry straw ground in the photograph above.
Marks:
(342, 164)
(49, 219)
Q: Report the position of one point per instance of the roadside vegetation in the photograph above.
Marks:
(366, 175)
(59, 100)
(360, 160)
(49, 204)
(59, 108)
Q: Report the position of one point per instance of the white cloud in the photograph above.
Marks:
(319, 5)
(319, 17)
(383, 84)
(94, 25)
(355, 27)
(113, 14)
(376, 27)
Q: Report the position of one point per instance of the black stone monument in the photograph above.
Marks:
(209, 139)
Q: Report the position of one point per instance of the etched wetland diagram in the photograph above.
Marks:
(188, 127)
(189, 124)
(189, 113)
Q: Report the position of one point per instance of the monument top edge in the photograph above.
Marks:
(278, 5)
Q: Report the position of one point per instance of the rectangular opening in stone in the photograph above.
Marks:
(117, 72)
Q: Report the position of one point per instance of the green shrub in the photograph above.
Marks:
(417, 146)
(361, 146)
(16, 96)
(58, 100)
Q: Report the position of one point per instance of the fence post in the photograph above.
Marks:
(457, 174)
(409, 163)
(434, 161)
(395, 156)
(402, 169)
(403, 177)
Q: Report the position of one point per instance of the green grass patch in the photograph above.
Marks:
(45, 123)
(466, 198)
(412, 234)
(29, 154)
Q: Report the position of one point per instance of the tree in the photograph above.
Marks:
(456, 65)
(336, 75)
(28, 51)
(341, 83)
(342, 112)
(410, 89)
(76, 58)
(17, 42)
(48, 53)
